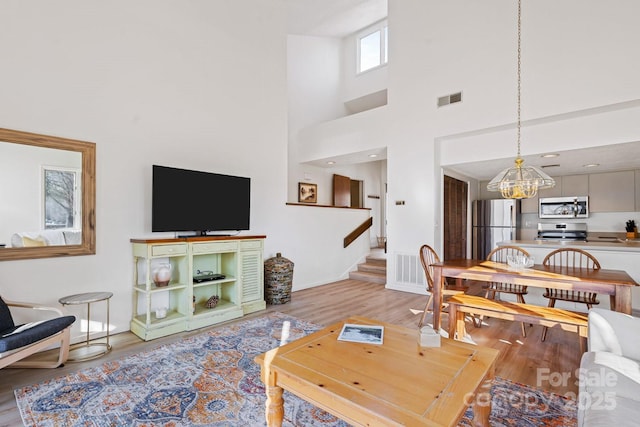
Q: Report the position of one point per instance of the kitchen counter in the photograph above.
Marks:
(619, 245)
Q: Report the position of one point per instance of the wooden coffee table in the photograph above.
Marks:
(396, 383)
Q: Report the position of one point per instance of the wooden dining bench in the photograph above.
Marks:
(460, 305)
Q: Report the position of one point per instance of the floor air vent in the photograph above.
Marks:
(409, 269)
(449, 99)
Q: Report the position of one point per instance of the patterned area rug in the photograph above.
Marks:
(211, 380)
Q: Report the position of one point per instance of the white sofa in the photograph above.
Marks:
(46, 238)
(609, 390)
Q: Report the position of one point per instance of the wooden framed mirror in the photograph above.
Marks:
(47, 196)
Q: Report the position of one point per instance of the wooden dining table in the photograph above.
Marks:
(615, 283)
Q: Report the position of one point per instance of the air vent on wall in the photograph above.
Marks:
(449, 99)
(408, 269)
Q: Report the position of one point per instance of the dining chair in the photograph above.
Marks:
(573, 258)
(500, 254)
(428, 256)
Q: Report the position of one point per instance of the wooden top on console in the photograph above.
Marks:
(196, 239)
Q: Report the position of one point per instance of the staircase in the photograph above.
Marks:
(373, 270)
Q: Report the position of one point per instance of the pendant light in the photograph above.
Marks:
(519, 181)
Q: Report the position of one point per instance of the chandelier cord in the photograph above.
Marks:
(518, 181)
(519, 73)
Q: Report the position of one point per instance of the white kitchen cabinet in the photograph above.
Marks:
(575, 185)
(182, 303)
(612, 192)
(529, 205)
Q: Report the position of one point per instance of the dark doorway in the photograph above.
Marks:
(357, 197)
(455, 218)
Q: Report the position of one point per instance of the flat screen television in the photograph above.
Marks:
(193, 201)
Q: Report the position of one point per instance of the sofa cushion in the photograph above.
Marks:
(605, 374)
(72, 237)
(23, 335)
(613, 332)
(28, 242)
(6, 320)
(625, 414)
(49, 237)
(609, 390)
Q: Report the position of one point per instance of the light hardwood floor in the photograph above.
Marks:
(524, 360)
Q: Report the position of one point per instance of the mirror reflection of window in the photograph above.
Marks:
(61, 196)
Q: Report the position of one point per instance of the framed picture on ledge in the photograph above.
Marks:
(307, 193)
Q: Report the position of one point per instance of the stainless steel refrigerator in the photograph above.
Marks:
(494, 221)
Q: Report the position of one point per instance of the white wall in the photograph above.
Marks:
(313, 89)
(313, 80)
(316, 243)
(196, 84)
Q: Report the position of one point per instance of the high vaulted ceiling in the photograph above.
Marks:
(340, 18)
(333, 18)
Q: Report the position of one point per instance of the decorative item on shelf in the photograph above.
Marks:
(213, 301)
(161, 312)
(161, 275)
(519, 181)
(278, 279)
(632, 230)
(307, 193)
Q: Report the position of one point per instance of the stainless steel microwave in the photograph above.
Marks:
(564, 207)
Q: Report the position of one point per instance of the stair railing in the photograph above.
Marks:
(357, 232)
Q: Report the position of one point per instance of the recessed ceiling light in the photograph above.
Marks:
(549, 155)
(557, 165)
(373, 155)
(591, 165)
(331, 162)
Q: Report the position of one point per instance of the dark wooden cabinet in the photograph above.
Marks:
(455, 218)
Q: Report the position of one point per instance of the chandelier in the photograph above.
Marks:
(520, 181)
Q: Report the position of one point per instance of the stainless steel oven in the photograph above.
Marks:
(576, 231)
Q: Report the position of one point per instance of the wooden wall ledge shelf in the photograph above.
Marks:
(315, 205)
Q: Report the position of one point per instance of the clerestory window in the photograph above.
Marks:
(373, 47)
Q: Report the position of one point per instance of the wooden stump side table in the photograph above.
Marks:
(87, 350)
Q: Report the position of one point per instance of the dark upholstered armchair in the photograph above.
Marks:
(20, 341)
